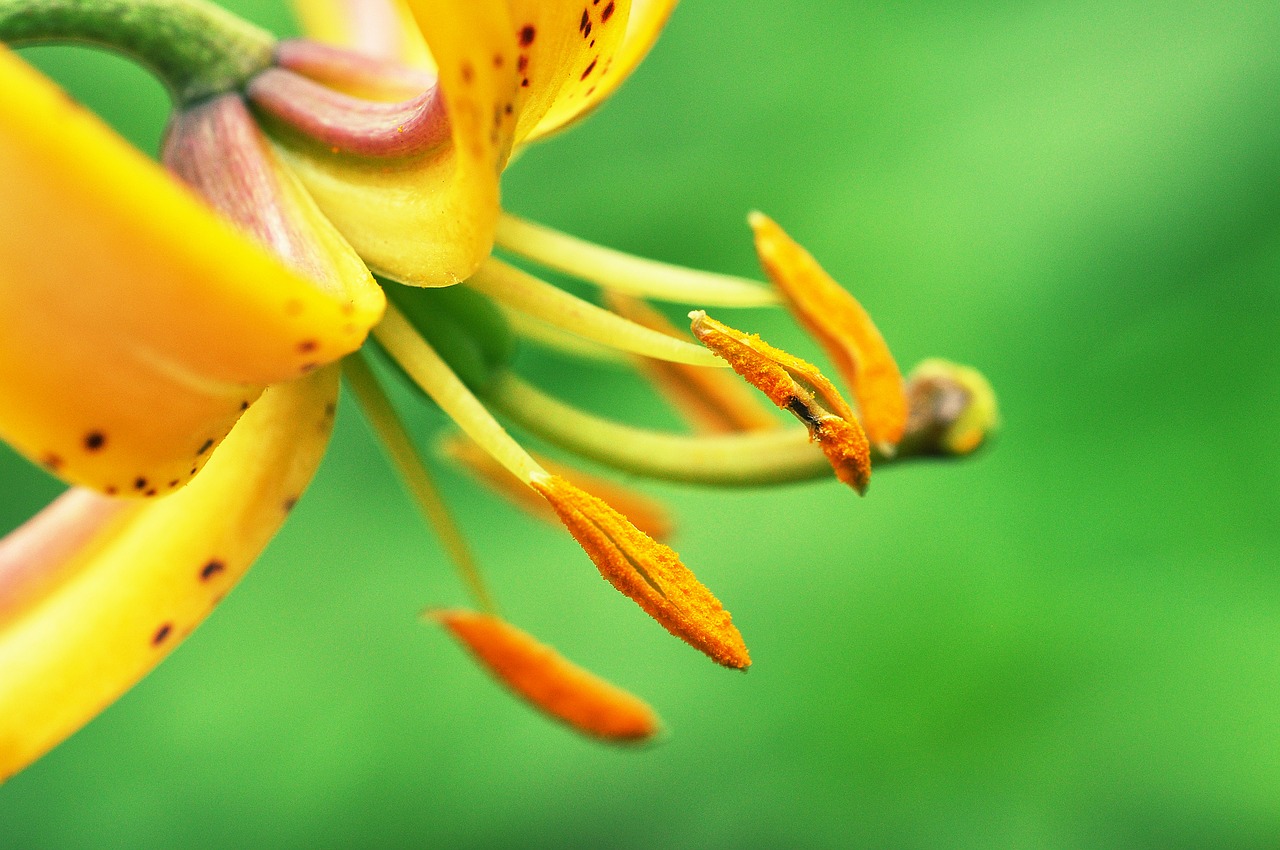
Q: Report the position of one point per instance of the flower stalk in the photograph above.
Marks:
(197, 49)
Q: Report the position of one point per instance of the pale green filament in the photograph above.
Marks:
(625, 273)
(421, 363)
(735, 460)
(518, 290)
(399, 446)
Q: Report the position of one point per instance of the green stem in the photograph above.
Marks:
(196, 48)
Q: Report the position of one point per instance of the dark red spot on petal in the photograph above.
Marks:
(139, 483)
(95, 440)
(51, 461)
(586, 20)
(607, 13)
(468, 73)
(527, 34)
(150, 492)
(212, 569)
(290, 503)
(204, 447)
(110, 491)
(590, 68)
(161, 634)
(307, 346)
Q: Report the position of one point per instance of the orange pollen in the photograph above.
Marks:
(646, 513)
(842, 327)
(709, 399)
(783, 378)
(550, 682)
(650, 573)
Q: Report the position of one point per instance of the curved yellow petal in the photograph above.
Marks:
(383, 29)
(644, 24)
(81, 622)
(217, 149)
(567, 50)
(138, 325)
(429, 220)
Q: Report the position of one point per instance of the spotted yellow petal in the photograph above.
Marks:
(95, 591)
(383, 29)
(644, 24)
(138, 325)
(567, 50)
(429, 219)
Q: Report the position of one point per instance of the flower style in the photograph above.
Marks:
(175, 346)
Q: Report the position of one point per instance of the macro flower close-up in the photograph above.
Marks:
(194, 346)
(416, 415)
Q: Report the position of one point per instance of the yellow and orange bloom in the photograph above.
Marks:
(175, 345)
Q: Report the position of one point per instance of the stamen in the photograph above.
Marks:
(555, 339)
(780, 456)
(346, 124)
(625, 273)
(843, 328)
(420, 361)
(648, 572)
(645, 513)
(399, 446)
(548, 681)
(521, 291)
(775, 373)
(711, 401)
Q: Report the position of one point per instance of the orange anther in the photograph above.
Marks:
(787, 380)
(842, 327)
(648, 572)
(550, 682)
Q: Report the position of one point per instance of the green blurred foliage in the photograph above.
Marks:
(1072, 640)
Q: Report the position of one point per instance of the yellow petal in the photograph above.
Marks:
(383, 29)
(429, 220)
(216, 148)
(567, 49)
(645, 22)
(80, 624)
(138, 325)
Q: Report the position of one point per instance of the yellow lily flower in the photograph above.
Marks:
(174, 344)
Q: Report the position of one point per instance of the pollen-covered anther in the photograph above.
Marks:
(843, 328)
(548, 681)
(800, 389)
(650, 573)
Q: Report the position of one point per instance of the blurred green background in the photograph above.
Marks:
(1072, 640)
